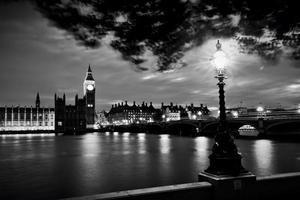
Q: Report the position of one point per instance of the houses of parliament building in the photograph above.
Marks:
(78, 117)
(18, 118)
(62, 118)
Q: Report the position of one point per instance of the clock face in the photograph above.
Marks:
(90, 87)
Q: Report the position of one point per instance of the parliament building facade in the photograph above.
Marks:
(27, 118)
(81, 116)
(62, 118)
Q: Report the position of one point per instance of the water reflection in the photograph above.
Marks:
(202, 145)
(17, 138)
(263, 150)
(3, 136)
(164, 144)
(125, 143)
(141, 137)
(90, 146)
(116, 133)
(57, 167)
(116, 137)
(126, 134)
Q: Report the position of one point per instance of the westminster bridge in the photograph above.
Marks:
(238, 127)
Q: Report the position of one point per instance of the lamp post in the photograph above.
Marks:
(225, 159)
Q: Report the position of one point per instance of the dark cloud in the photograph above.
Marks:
(169, 28)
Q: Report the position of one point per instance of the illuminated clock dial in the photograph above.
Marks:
(90, 87)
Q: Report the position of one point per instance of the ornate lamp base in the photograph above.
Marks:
(225, 158)
(226, 165)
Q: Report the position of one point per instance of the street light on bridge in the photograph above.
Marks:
(225, 158)
(260, 112)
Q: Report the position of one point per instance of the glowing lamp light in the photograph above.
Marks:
(220, 60)
(235, 114)
(259, 109)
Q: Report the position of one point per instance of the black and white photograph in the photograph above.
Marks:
(149, 99)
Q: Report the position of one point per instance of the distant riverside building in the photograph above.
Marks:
(266, 113)
(171, 112)
(78, 117)
(122, 113)
(174, 112)
(69, 118)
(102, 118)
(17, 118)
(197, 112)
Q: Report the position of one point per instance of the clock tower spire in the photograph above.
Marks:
(89, 91)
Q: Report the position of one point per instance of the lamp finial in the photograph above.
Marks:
(218, 45)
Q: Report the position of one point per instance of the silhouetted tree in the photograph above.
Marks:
(168, 28)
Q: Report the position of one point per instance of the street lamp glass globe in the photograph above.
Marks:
(260, 109)
(220, 60)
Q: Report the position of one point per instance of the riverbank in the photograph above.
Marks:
(26, 132)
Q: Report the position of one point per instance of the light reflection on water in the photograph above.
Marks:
(164, 142)
(65, 166)
(141, 137)
(263, 150)
(202, 146)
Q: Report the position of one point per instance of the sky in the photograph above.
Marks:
(37, 57)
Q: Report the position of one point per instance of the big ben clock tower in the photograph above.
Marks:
(89, 91)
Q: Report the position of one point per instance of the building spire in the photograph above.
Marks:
(89, 75)
(37, 100)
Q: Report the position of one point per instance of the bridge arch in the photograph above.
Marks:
(232, 126)
(155, 128)
(183, 129)
(283, 127)
(210, 128)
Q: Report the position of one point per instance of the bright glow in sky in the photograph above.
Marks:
(36, 57)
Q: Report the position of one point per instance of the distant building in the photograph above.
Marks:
(122, 113)
(197, 112)
(78, 117)
(89, 92)
(281, 113)
(70, 118)
(171, 112)
(17, 118)
(266, 113)
(102, 118)
(232, 113)
(174, 112)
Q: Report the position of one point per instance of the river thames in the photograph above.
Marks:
(46, 166)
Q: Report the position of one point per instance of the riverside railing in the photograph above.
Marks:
(279, 186)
